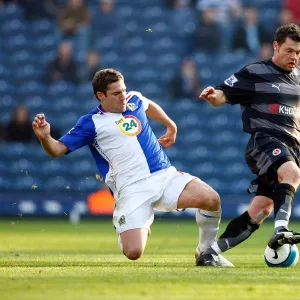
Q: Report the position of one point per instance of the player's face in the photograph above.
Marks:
(287, 55)
(115, 99)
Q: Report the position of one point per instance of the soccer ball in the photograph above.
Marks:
(284, 257)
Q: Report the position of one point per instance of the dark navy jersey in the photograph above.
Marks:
(269, 98)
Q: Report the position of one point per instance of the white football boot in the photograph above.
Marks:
(221, 261)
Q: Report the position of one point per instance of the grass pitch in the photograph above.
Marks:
(56, 260)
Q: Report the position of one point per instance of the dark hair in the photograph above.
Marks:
(290, 30)
(103, 78)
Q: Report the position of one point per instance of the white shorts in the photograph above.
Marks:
(136, 203)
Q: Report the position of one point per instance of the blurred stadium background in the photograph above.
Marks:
(149, 41)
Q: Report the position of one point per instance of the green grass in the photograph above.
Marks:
(57, 260)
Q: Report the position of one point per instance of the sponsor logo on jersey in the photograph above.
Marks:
(276, 86)
(276, 151)
(231, 80)
(132, 106)
(129, 125)
(283, 109)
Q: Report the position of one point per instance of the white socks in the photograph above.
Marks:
(208, 222)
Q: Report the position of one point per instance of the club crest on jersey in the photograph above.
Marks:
(231, 80)
(129, 125)
(132, 106)
(122, 220)
(276, 152)
(274, 108)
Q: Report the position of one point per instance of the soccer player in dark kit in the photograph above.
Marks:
(269, 96)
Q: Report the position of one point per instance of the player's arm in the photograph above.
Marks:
(42, 130)
(213, 96)
(155, 112)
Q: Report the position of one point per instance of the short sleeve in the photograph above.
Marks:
(239, 87)
(81, 135)
(144, 100)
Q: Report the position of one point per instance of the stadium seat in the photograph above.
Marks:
(42, 26)
(210, 141)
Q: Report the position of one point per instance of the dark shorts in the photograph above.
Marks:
(265, 153)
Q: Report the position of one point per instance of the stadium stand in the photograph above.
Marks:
(148, 46)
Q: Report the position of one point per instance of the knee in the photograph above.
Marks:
(266, 211)
(213, 201)
(291, 176)
(296, 178)
(133, 253)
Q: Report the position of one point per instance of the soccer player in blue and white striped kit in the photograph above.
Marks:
(136, 169)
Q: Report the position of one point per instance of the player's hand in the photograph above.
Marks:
(169, 138)
(209, 94)
(41, 127)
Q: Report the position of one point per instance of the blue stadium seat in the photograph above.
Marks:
(174, 153)
(31, 89)
(183, 22)
(12, 25)
(23, 167)
(45, 43)
(57, 183)
(87, 184)
(84, 167)
(125, 11)
(106, 43)
(7, 103)
(42, 26)
(66, 120)
(61, 89)
(6, 182)
(35, 102)
(12, 10)
(20, 57)
(203, 59)
(53, 167)
(110, 58)
(28, 71)
(6, 87)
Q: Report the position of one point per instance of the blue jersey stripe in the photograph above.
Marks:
(102, 164)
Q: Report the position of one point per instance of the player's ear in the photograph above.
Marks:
(275, 46)
(100, 96)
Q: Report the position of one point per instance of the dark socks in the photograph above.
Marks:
(283, 199)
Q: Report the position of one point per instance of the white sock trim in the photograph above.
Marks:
(280, 223)
(210, 213)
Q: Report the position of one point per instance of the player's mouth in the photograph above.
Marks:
(292, 65)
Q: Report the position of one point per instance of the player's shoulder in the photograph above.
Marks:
(87, 119)
(133, 94)
(258, 67)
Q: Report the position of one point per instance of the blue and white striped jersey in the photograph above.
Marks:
(123, 144)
